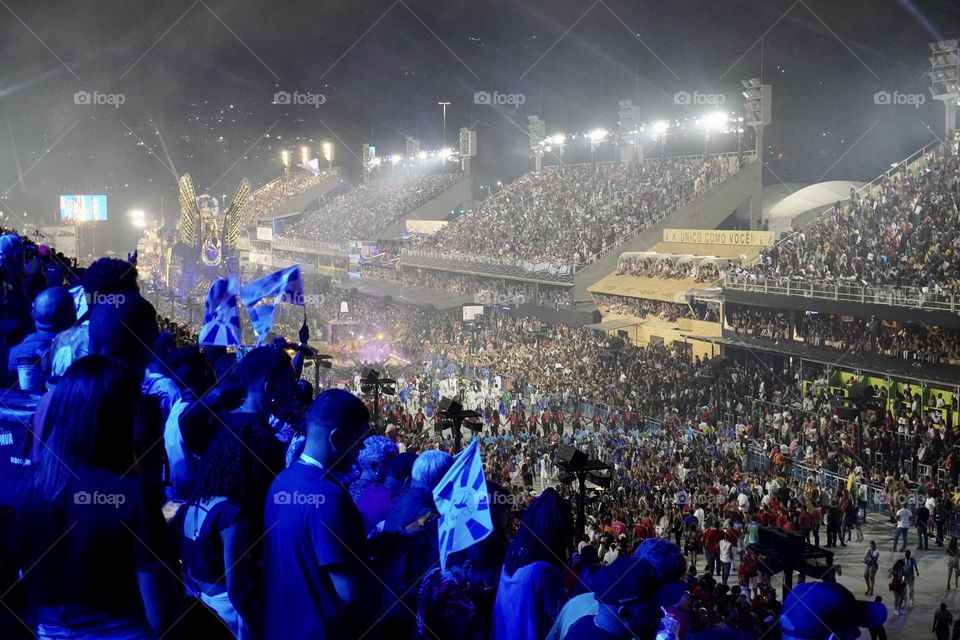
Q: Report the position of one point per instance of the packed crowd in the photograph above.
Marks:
(274, 194)
(484, 289)
(642, 307)
(919, 345)
(369, 208)
(903, 232)
(566, 215)
(286, 518)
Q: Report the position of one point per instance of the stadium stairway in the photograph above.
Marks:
(737, 196)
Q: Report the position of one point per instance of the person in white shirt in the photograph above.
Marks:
(726, 559)
(903, 527)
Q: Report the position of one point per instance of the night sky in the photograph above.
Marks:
(198, 78)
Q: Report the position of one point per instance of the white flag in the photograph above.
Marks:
(462, 500)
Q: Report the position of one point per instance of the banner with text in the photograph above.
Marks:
(720, 237)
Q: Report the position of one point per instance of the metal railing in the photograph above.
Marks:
(890, 295)
(887, 295)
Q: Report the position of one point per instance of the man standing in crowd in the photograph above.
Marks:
(317, 585)
(912, 572)
(903, 527)
(923, 519)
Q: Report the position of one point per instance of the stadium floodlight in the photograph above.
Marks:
(660, 127)
(536, 132)
(597, 135)
(285, 158)
(137, 218)
(328, 154)
(422, 155)
(714, 121)
(304, 154)
(395, 159)
(759, 107)
(557, 139)
(944, 77)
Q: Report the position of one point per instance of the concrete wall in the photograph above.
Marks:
(739, 194)
(436, 209)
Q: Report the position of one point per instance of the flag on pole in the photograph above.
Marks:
(79, 300)
(462, 501)
(282, 286)
(285, 284)
(221, 320)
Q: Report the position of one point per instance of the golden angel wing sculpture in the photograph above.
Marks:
(189, 222)
(236, 215)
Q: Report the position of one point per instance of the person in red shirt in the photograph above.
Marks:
(711, 547)
(532, 423)
(763, 518)
(596, 420)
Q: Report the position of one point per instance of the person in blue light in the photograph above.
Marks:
(317, 582)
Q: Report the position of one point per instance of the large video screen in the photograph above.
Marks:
(83, 208)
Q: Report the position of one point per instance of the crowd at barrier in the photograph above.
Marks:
(365, 210)
(276, 193)
(903, 232)
(566, 215)
(643, 307)
(916, 344)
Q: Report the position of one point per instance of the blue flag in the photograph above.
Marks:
(221, 320)
(261, 318)
(284, 286)
(463, 503)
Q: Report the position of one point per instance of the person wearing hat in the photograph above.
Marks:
(630, 601)
(52, 312)
(822, 610)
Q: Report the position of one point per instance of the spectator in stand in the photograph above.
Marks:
(89, 538)
(220, 529)
(530, 594)
(52, 312)
(331, 595)
(107, 281)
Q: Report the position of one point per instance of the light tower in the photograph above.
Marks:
(944, 78)
(468, 149)
(758, 106)
(369, 161)
(630, 148)
(537, 130)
